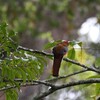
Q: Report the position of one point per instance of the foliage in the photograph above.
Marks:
(46, 19)
(29, 14)
(15, 64)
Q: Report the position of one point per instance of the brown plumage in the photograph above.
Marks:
(59, 51)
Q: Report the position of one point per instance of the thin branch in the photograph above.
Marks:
(15, 86)
(21, 84)
(66, 76)
(46, 82)
(26, 84)
(35, 51)
(48, 92)
(82, 65)
(80, 82)
(7, 88)
(36, 82)
(70, 84)
(65, 59)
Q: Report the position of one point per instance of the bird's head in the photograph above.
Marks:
(65, 42)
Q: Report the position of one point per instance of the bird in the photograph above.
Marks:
(59, 51)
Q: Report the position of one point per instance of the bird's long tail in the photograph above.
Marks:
(56, 66)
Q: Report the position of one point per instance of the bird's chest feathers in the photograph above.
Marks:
(60, 50)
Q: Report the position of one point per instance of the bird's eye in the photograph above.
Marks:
(64, 52)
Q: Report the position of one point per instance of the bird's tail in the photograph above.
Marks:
(56, 66)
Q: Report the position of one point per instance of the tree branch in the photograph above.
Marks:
(54, 87)
(66, 76)
(47, 82)
(65, 59)
(70, 84)
(35, 51)
(7, 88)
(37, 82)
(82, 65)
(30, 83)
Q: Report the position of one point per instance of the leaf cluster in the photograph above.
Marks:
(16, 64)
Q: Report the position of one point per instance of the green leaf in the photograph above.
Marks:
(80, 44)
(4, 71)
(51, 44)
(71, 55)
(23, 74)
(94, 76)
(97, 61)
(72, 43)
(3, 28)
(11, 33)
(97, 89)
(44, 2)
(11, 94)
(30, 74)
(84, 86)
(8, 97)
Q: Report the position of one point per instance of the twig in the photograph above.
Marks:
(7, 88)
(36, 82)
(70, 84)
(66, 76)
(82, 65)
(35, 51)
(26, 84)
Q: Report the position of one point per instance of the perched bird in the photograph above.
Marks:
(59, 51)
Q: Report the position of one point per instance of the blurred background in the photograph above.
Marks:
(38, 22)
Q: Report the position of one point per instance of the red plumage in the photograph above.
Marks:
(59, 51)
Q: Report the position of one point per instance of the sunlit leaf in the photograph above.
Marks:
(11, 94)
(11, 33)
(71, 55)
(94, 76)
(72, 43)
(23, 74)
(97, 89)
(51, 44)
(80, 44)
(97, 61)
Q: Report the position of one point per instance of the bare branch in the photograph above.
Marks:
(7, 88)
(28, 83)
(82, 65)
(36, 82)
(66, 76)
(70, 84)
(53, 87)
(15, 86)
(35, 51)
